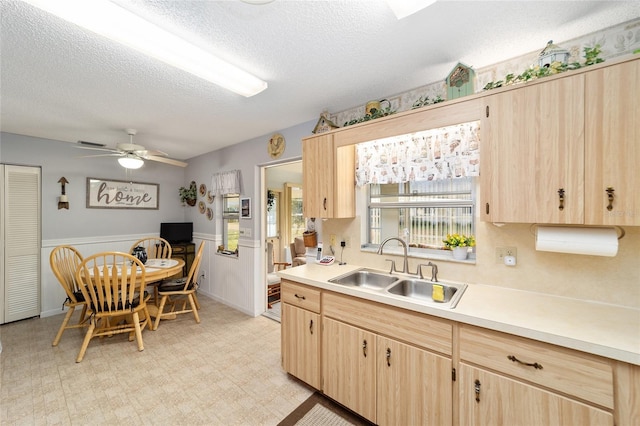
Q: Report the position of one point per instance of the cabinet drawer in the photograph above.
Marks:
(300, 295)
(412, 327)
(567, 371)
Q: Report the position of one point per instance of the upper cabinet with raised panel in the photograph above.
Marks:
(612, 145)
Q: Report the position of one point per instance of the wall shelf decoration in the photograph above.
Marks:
(119, 194)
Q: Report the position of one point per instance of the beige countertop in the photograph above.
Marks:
(597, 328)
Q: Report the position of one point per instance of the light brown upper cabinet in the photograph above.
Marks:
(564, 150)
(612, 145)
(533, 153)
(328, 174)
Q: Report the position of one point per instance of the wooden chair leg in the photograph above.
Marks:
(192, 303)
(85, 342)
(65, 321)
(136, 324)
(195, 299)
(160, 312)
(83, 315)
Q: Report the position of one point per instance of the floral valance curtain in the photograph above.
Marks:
(226, 182)
(445, 153)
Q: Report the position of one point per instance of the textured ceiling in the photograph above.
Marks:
(61, 82)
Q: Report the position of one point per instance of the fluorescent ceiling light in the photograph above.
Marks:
(404, 8)
(112, 21)
(130, 162)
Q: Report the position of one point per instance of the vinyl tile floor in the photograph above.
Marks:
(224, 371)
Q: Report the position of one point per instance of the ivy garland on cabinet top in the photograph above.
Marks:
(591, 55)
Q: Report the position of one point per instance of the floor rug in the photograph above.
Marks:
(318, 410)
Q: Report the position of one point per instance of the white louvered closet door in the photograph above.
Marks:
(22, 240)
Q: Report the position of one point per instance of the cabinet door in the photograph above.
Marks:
(490, 399)
(301, 344)
(414, 386)
(612, 141)
(318, 176)
(532, 144)
(349, 367)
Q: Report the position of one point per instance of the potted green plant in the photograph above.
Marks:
(459, 244)
(189, 195)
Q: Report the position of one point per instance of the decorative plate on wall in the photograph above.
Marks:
(209, 213)
(201, 206)
(276, 145)
(209, 197)
(203, 189)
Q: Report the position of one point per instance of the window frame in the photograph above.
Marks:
(227, 216)
(419, 252)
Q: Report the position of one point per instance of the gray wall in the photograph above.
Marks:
(237, 282)
(59, 159)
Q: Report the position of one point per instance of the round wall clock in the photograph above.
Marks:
(276, 145)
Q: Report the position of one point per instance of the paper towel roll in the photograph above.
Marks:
(590, 241)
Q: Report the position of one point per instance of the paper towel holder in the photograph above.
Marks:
(620, 230)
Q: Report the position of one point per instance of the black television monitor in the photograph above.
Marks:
(177, 232)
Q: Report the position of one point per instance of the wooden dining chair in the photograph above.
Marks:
(113, 283)
(64, 261)
(273, 279)
(156, 248)
(180, 291)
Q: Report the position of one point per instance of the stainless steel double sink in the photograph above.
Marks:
(442, 294)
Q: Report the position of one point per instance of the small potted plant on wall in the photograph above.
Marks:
(189, 195)
(459, 244)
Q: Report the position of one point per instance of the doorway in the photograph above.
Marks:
(282, 185)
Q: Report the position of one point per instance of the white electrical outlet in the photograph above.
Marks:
(502, 252)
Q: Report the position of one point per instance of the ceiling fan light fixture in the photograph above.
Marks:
(130, 162)
(116, 23)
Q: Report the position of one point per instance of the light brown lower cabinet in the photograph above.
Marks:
(394, 367)
(509, 380)
(387, 381)
(487, 398)
(414, 385)
(301, 331)
(349, 367)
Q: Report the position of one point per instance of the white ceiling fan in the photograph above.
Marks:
(132, 156)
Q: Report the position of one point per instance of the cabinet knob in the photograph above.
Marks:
(324, 204)
(610, 196)
(561, 198)
(364, 348)
(477, 390)
(388, 357)
(311, 326)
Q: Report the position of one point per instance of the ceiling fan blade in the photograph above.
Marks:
(113, 154)
(167, 160)
(156, 153)
(97, 148)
